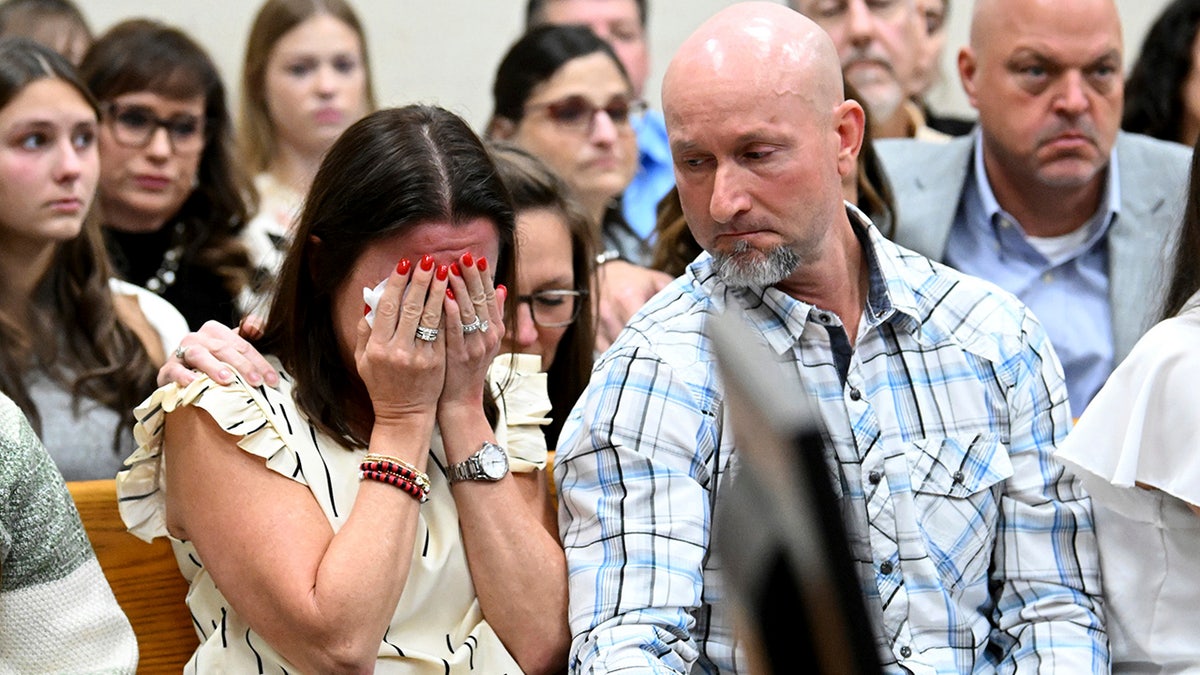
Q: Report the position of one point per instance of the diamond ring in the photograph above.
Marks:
(427, 334)
(473, 326)
(181, 353)
(483, 325)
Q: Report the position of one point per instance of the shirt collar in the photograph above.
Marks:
(1112, 187)
(782, 318)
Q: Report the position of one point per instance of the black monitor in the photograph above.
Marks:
(779, 528)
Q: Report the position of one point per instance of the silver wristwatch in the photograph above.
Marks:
(490, 462)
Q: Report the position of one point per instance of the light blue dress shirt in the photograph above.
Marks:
(655, 176)
(1069, 295)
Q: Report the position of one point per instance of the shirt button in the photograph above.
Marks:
(958, 477)
(874, 477)
(905, 651)
(886, 567)
(1047, 278)
(855, 394)
(824, 318)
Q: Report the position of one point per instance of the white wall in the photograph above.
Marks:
(432, 51)
(446, 51)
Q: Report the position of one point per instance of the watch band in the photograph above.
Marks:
(467, 469)
(473, 468)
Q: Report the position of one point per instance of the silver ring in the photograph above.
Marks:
(473, 326)
(427, 334)
(483, 325)
(181, 353)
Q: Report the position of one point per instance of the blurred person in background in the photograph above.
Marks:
(555, 316)
(305, 79)
(562, 94)
(622, 24)
(883, 48)
(1162, 94)
(58, 24)
(933, 15)
(172, 199)
(77, 347)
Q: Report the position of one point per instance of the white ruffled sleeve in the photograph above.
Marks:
(1144, 427)
(240, 409)
(520, 391)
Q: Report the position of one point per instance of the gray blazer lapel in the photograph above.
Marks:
(1153, 187)
(927, 179)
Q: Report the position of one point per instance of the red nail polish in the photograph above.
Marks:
(403, 266)
(426, 262)
(450, 293)
(442, 271)
(467, 260)
(454, 269)
(366, 309)
(500, 288)
(483, 264)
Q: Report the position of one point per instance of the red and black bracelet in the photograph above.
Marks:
(407, 484)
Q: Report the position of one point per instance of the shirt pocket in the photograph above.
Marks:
(957, 482)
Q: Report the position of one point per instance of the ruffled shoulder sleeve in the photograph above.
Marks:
(1142, 427)
(520, 391)
(257, 415)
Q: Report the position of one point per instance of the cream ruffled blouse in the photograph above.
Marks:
(437, 627)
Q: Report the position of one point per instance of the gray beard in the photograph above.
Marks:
(745, 266)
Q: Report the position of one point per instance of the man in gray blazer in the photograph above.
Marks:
(1047, 199)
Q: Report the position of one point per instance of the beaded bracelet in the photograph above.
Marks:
(397, 481)
(376, 457)
(418, 477)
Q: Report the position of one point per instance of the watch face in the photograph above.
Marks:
(494, 461)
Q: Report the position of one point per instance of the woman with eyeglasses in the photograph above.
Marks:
(305, 79)
(77, 347)
(562, 94)
(171, 198)
(555, 317)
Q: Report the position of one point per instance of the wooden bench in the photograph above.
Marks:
(144, 577)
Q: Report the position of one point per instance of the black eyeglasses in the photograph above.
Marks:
(134, 125)
(579, 114)
(553, 308)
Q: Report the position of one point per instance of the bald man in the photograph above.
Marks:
(941, 396)
(1047, 199)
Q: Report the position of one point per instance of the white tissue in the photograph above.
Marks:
(371, 297)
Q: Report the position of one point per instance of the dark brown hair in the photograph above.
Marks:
(389, 172)
(534, 186)
(535, 58)
(275, 18)
(144, 55)
(72, 332)
(1185, 278)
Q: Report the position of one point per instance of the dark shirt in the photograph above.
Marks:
(952, 126)
(196, 291)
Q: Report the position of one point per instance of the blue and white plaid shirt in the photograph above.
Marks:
(975, 549)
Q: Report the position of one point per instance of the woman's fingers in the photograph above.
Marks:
(213, 350)
(387, 310)
(430, 322)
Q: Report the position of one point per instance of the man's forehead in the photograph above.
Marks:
(589, 11)
(1059, 44)
(1075, 25)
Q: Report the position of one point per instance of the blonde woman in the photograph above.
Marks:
(306, 78)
